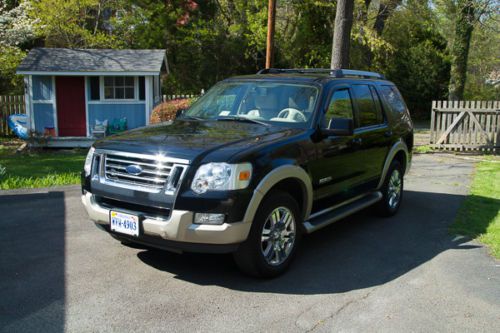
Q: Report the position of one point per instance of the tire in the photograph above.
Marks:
(392, 191)
(280, 244)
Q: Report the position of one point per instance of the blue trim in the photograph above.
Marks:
(42, 88)
(43, 115)
(134, 113)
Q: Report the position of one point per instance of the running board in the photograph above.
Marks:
(333, 214)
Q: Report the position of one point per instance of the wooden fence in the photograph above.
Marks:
(465, 125)
(9, 105)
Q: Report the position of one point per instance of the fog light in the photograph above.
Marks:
(205, 218)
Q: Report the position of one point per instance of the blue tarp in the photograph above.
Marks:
(18, 123)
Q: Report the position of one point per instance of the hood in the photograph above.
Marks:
(188, 139)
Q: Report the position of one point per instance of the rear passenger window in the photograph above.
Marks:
(369, 113)
(340, 107)
(393, 98)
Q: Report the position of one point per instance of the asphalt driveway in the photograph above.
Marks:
(58, 272)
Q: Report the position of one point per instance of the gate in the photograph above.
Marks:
(465, 125)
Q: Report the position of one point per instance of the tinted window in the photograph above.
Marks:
(340, 107)
(369, 114)
(393, 98)
(94, 88)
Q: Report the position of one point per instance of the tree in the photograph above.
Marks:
(17, 33)
(76, 23)
(385, 9)
(460, 50)
(468, 15)
(342, 34)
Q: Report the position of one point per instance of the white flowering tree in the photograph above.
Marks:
(17, 32)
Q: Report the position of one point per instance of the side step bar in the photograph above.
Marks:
(333, 214)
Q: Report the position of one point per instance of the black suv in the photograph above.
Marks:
(254, 164)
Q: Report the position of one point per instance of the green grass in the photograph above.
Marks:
(422, 149)
(479, 215)
(38, 169)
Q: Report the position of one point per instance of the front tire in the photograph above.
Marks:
(392, 191)
(274, 237)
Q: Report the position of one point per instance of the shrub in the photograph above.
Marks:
(166, 111)
(3, 171)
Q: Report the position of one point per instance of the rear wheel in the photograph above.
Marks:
(392, 190)
(273, 238)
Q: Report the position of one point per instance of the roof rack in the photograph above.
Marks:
(337, 73)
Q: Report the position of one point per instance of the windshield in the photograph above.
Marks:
(277, 103)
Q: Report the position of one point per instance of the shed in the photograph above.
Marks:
(69, 91)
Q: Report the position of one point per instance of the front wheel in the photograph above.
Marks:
(392, 190)
(273, 238)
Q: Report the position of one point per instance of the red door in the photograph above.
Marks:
(70, 100)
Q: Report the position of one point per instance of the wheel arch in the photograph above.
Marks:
(289, 178)
(400, 152)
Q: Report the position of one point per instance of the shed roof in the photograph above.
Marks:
(61, 61)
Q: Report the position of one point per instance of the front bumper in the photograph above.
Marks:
(178, 232)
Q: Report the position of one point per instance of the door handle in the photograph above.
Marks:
(388, 134)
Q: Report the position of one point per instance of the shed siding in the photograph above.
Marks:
(133, 112)
(42, 88)
(44, 116)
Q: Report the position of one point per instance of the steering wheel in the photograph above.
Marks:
(292, 114)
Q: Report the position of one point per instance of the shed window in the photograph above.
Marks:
(142, 88)
(94, 88)
(119, 87)
(42, 88)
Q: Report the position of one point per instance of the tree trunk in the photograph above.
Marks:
(271, 19)
(460, 50)
(385, 10)
(342, 34)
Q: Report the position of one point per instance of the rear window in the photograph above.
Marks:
(393, 98)
(369, 113)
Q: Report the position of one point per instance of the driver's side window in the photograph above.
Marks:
(340, 107)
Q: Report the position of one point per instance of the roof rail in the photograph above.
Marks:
(337, 73)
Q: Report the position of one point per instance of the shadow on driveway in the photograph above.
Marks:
(359, 252)
(32, 261)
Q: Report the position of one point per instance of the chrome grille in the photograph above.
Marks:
(153, 176)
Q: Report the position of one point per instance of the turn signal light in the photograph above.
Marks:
(244, 175)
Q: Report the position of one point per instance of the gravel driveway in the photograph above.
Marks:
(58, 272)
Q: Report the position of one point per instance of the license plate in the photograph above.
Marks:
(124, 223)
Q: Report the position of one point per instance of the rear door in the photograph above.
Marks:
(372, 133)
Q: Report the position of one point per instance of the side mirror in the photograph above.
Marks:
(339, 127)
(179, 113)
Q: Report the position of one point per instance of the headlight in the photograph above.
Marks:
(221, 177)
(88, 161)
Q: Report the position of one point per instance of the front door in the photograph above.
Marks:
(70, 101)
(336, 171)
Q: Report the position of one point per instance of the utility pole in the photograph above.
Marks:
(271, 19)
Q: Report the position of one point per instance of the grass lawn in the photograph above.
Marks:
(422, 149)
(42, 168)
(479, 215)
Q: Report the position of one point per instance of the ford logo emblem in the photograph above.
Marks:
(133, 169)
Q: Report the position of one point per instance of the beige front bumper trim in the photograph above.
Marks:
(179, 227)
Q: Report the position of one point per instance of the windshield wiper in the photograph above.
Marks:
(242, 119)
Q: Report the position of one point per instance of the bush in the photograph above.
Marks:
(3, 171)
(167, 110)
